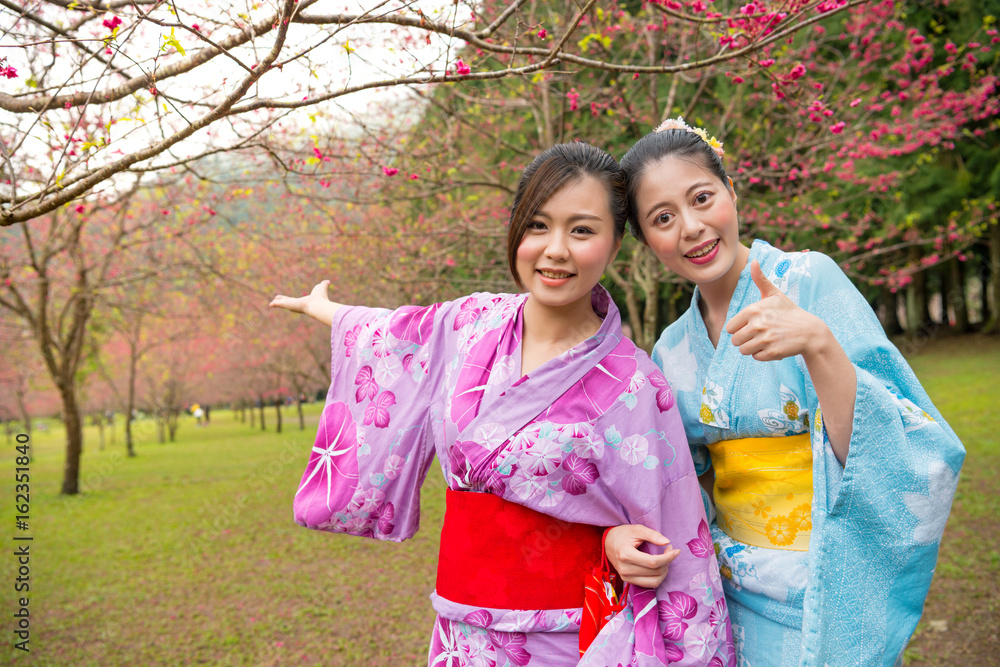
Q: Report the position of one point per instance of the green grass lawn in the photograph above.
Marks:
(188, 554)
(962, 617)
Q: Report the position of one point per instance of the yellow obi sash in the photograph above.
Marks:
(764, 490)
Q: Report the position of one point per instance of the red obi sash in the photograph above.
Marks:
(501, 555)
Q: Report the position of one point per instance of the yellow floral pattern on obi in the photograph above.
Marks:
(763, 490)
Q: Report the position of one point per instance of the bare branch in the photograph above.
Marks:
(21, 213)
(38, 102)
(54, 29)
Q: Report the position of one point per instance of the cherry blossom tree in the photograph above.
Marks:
(98, 89)
(54, 270)
(826, 151)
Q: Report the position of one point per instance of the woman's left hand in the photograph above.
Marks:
(636, 567)
(774, 327)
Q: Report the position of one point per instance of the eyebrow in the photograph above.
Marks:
(699, 184)
(572, 218)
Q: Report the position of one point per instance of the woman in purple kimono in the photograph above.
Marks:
(548, 424)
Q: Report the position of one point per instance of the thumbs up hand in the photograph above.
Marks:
(774, 327)
(766, 287)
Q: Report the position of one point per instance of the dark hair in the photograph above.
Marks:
(657, 146)
(551, 170)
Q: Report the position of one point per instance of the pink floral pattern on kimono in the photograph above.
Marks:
(592, 436)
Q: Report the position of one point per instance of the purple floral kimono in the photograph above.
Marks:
(592, 436)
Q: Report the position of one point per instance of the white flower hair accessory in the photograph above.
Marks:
(679, 124)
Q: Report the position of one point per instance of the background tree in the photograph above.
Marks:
(54, 273)
(826, 152)
(112, 88)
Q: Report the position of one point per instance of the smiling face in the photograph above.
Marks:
(688, 219)
(567, 244)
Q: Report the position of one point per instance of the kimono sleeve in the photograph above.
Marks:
(885, 510)
(686, 616)
(685, 620)
(373, 446)
(895, 422)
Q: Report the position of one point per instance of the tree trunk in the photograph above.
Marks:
(129, 442)
(302, 417)
(277, 410)
(74, 438)
(890, 316)
(672, 302)
(917, 315)
(22, 407)
(99, 422)
(547, 134)
(956, 295)
(161, 435)
(982, 278)
(253, 417)
(128, 433)
(651, 312)
(992, 279)
(172, 416)
(260, 403)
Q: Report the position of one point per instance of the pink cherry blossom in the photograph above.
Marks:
(574, 99)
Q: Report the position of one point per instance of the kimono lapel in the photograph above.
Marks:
(725, 363)
(532, 394)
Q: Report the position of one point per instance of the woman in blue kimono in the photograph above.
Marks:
(828, 471)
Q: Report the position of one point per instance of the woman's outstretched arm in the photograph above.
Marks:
(316, 304)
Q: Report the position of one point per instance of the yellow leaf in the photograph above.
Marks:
(172, 41)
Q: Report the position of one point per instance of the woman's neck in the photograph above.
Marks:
(549, 331)
(716, 296)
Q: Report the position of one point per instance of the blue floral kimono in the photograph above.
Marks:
(855, 594)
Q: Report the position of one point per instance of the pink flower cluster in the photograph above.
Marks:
(755, 20)
(574, 99)
(830, 5)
